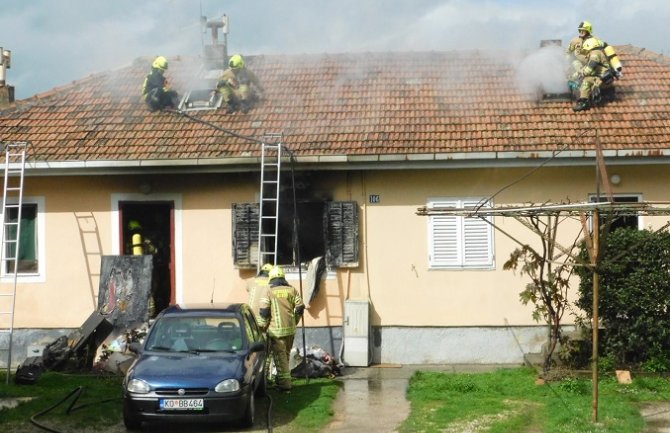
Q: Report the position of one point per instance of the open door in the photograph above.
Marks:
(156, 222)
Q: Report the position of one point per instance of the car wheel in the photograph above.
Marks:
(249, 414)
(130, 419)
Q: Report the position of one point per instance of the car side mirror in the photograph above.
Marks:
(257, 347)
(135, 347)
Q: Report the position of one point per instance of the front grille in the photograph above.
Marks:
(188, 392)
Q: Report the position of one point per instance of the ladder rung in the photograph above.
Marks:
(269, 199)
(13, 206)
(269, 217)
(11, 223)
(268, 236)
(4, 295)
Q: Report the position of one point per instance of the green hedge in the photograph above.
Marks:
(634, 297)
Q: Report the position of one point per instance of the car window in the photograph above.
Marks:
(200, 334)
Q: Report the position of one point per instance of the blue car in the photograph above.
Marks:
(198, 363)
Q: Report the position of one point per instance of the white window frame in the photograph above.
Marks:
(592, 199)
(458, 242)
(40, 227)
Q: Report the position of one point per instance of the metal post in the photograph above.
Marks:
(594, 326)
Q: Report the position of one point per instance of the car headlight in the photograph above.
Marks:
(228, 385)
(138, 386)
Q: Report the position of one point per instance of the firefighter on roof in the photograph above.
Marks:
(155, 90)
(280, 313)
(239, 86)
(595, 74)
(574, 53)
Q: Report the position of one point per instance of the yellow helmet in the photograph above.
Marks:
(236, 62)
(267, 267)
(585, 26)
(276, 272)
(134, 225)
(591, 44)
(160, 63)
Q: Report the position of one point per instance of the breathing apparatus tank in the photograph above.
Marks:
(612, 57)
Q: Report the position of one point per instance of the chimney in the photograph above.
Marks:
(216, 54)
(6, 92)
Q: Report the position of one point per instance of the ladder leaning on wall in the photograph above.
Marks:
(268, 220)
(12, 202)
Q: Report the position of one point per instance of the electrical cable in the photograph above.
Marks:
(218, 128)
(77, 392)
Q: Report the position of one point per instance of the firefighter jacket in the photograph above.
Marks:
(574, 50)
(281, 310)
(258, 290)
(153, 80)
(596, 65)
(234, 78)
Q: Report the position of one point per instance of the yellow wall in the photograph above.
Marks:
(393, 271)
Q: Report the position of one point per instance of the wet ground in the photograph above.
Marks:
(372, 400)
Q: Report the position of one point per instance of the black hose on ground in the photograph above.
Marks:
(77, 393)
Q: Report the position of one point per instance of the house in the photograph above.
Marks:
(374, 136)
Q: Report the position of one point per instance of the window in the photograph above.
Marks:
(328, 229)
(625, 220)
(460, 242)
(30, 255)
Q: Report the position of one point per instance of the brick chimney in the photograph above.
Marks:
(6, 91)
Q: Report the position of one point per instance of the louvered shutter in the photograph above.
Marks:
(445, 237)
(245, 234)
(341, 232)
(459, 242)
(477, 239)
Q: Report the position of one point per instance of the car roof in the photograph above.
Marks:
(203, 308)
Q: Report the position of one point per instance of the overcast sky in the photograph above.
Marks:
(55, 42)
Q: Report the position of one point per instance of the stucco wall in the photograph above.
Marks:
(458, 306)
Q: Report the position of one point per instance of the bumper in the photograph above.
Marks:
(220, 408)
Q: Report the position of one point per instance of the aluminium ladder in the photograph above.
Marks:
(12, 202)
(268, 221)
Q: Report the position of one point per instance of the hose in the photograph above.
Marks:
(77, 393)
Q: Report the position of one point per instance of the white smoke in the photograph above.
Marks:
(543, 71)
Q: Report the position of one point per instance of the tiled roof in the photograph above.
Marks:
(345, 104)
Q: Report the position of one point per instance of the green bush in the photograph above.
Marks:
(634, 296)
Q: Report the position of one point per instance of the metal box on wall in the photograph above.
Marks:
(356, 333)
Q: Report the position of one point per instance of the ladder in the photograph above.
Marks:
(268, 221)
(12, 202)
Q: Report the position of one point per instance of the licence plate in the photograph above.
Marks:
(181, 404)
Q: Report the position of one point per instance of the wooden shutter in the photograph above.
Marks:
(341, 232)
(445, 234)
(245, 234)
(477, 238)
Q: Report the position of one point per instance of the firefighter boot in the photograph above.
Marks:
(581, 105)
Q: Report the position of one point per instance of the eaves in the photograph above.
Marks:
(457, 160)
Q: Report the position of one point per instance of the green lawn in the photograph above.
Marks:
(508, 400)
(307, 407)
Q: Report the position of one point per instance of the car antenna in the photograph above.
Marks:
(211, 300)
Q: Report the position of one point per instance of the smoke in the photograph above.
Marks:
(54, 43)
(543, 71)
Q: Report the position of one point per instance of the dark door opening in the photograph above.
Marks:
(156, 222)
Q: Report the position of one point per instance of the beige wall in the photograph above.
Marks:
(393, 271)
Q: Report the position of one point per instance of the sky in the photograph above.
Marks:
(55, 42)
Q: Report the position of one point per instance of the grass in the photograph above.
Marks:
(508, 400)
(307, 407)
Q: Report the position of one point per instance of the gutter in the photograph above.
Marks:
(457, 160)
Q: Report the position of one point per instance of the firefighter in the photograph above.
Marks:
(280, 313)
(239, 86)
(258, 289)
(595, 74)
(138, 246)
(574, 53)
(155, 90)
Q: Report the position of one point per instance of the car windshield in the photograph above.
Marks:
(195, 334)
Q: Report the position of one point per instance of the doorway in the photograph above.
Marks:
(156, 225)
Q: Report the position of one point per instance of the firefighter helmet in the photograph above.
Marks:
(134, 225)
(591, 44)
(267, 267)
(236, 62)
(586, 27)
(160, 63)
(276, 272)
